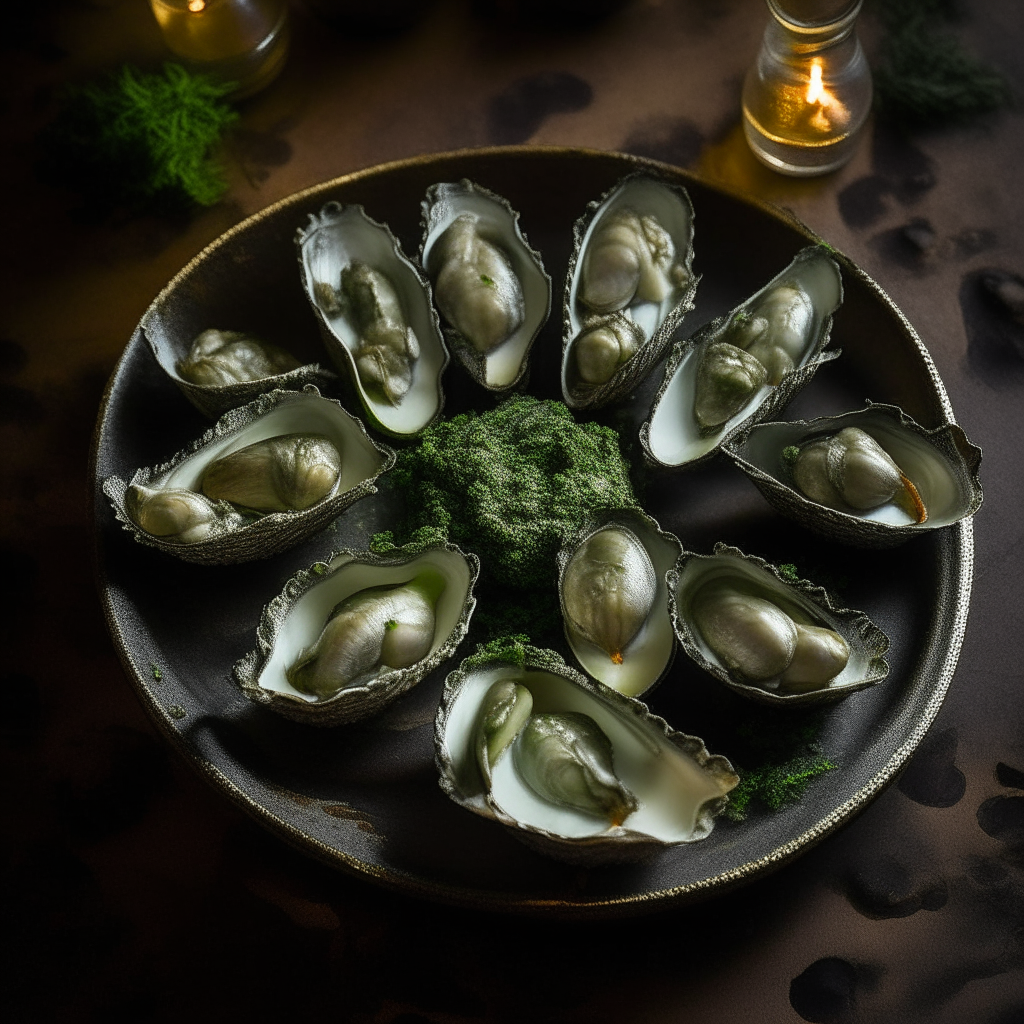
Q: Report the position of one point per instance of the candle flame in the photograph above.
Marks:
(815, 90)
(195, 6)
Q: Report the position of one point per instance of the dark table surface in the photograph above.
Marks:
(134, 892)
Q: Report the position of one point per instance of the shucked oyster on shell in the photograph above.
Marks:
(490, 286)
(374, 600)
(641, 788)
(218, 370)
(629, 285)
(743, 368)
(282, 452)
(374, 308)
(783, 626)
(615, 600)
(942, 465)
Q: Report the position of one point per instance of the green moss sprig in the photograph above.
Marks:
(924, 77)
(139, 140)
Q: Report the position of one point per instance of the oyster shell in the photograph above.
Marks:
(295, 622)
(629, 285)
(375, 313)
(489, 284)
(784, 629)
(743, 368)
(942, 464)
(677, 785)
(614, 588)
(226, 362)
(218, 533)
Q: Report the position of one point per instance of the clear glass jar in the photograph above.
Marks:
(808, 94)
(240, 41)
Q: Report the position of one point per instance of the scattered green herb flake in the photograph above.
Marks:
(512, 649)
(176, 711)
(391, 624)
(788, 571)
(775, 785)
(157, 674)
(319, 568)
(790, 453)
(510, 484)
(489, 281)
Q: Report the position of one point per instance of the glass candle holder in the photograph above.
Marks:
(808, 94)
(240, 41)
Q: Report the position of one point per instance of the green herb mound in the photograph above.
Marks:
(140, 139)
(510, 485)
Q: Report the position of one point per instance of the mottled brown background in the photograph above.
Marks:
(134, 893)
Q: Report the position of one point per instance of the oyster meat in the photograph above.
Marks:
(631, 257)
(774, 640)
(281, 474)
(608, 589)
(629, 285)
(742, 368)
(504, 711)
(758, 642)
(567, 759)
(570, 767)
(349, 635)
(387, 347)
(851, 470)
(218, 358)
(177, 515)
(477, 290)
(760, 345)
(376, 317)
(390, 627)
(489, 285)
(614, 598)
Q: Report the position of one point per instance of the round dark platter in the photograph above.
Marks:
(364, 797)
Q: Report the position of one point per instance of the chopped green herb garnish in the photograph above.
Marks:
(511, 484)
(790, 453)
(157, 674)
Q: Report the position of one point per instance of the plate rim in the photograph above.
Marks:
(962, 542)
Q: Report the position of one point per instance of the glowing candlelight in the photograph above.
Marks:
(815, 90)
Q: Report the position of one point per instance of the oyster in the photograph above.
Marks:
(858, 493)
(489, 284)
(279, 452)
(629, 285)
(745, 367)
(376, 317)
(221, 370)
(775, 641)
(229, 357)
(327, 651)
(615, 601)
(591, 777)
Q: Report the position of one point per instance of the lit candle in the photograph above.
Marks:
(240, 41)
(809, 92)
